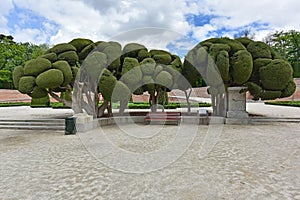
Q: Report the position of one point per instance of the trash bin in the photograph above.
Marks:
(70, 125)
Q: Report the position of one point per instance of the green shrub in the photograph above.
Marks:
(38, 92)
(70, 56)
(244, 40)
(17, 74)
(255, 90)
(113, 54)
(162, 59)
(165, 79)
(241, 67)
(147, 80)
(270, 94)
(276, 75)
(148, 66)
(222, 62)
(131, 72)
(259, 50)
(36, 66)
(142, 54)
(120, 92)
(289, 89)
(26, 84)
(52, 78)
(107, 83)
(40, 102)
(65, 68)
(52, 57)
(62, 47)
(94, 64)
(75, 71)
(132, 50)
(257, 64)
(80, 43)
(85, 52)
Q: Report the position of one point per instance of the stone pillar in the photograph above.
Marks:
(236, 107)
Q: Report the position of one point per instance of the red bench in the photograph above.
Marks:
(163, 117)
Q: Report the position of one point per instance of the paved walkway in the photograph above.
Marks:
(179, 162)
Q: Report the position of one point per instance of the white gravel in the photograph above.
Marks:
(247, 162)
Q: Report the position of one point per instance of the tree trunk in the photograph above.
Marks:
(187, 97)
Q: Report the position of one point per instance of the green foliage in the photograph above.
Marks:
(285, 44)
(70, 56)
(148, 66)
(289, 89)
(62, 47)
(94, 64)
(26, 84)
(39, 92)
(5, 75)
(17, 74)
(222, 62)
(162, 59)
(270, 94)
(36, 66)
(132, 50)
(165, 79)
(276, 75)
(65, 68)
(120, 92)
(51, 78)
(142, 54)
(40, 102)
(106, 84)
(241, 67)
(113, 53)
(255, 90)
(85, 52)
(131, 72)
(244, 40)
(259, 50)
(52, 57)
(284, 103)
(80, 43)
(257, 64)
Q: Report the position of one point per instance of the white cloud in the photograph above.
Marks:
(106, 19)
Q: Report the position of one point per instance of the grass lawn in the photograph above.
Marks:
(284, 103)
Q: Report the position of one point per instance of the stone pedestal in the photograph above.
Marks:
(84, 122)
(236, 107)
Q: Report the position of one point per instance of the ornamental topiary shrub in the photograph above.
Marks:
(65, 68)
(80, 43)
(52, 57)
(259, 50)
(106, 84)
(26, 84)
(131, 72)
(165, 79)
(70, 56)
(17, 74)
(61, 48)
(148, 66)
(241, 67)
(38, 92)
(51, 78)
(36, 66)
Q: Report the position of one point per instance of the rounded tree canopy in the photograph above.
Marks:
(51, 78)
(36, 66)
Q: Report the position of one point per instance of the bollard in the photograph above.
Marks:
(70, 126)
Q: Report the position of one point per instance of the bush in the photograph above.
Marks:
(52, 78)
(26, 84)
(70, 56)
(222, 62)
(276, 75)
(165, 79)
(38, 92)
(270, 95)
(148, 66)
(132, 49)
(17, 74)
(106, 84)
(131, 72)
(52, 57)
(259, 50)
(40, 102)
(241, 67)
(162, 59)
(288, 90)
(62, 47)
(36, 66)
(80, 43)
(65, 68)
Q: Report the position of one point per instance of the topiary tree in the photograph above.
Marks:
(239, 62)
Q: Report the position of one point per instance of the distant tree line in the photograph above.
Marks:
(14, 54)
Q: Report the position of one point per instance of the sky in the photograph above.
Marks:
(175, 25)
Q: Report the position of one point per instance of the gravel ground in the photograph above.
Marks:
(246, 162)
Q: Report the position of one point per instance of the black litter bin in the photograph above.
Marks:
(70, 125)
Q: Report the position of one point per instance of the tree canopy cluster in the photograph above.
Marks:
(116, 72)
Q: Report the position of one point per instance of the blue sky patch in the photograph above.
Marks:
(199, 20)
(21, 18)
